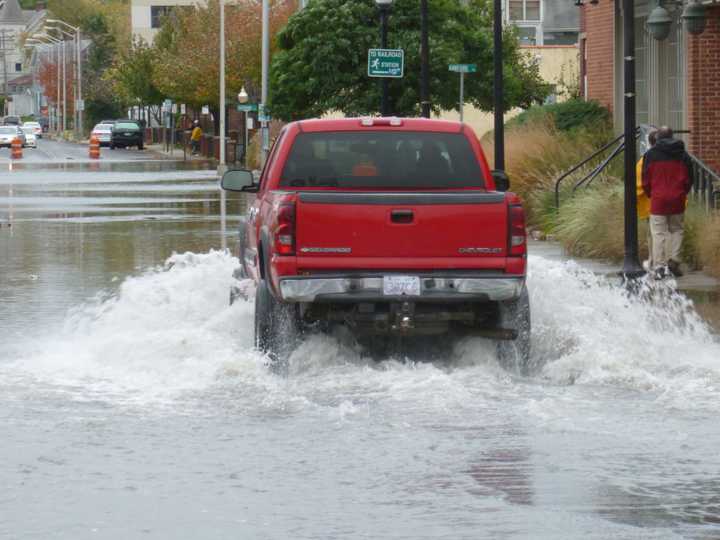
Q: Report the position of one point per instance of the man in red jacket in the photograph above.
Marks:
(666, 180)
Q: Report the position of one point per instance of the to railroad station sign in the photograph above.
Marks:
(386, 63)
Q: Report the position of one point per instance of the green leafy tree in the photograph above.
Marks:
(131, 77)
(321, 64)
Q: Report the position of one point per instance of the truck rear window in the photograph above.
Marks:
(382, 159)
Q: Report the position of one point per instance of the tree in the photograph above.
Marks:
(321, 64)
(130, 77)
(187, 63)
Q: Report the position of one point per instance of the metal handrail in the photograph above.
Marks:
(705, 184)
(580, 165)
(590, 177)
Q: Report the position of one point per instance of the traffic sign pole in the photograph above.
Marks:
(462, 88)
(462, 69)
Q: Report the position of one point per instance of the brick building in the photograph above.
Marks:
(678, 78)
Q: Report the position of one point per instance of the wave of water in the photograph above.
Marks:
(170, 331)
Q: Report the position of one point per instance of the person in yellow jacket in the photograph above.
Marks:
(643, 201)
(195, 137)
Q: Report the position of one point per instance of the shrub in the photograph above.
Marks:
(708, 243)
(536, 155)
(569, 115)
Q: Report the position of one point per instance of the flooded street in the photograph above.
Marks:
(132, 403)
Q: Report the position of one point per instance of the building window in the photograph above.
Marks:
(524, 10)
(560, 38)
(158, 14)
(527, 35)
(18, 66)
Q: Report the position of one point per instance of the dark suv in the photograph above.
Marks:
(126, 133)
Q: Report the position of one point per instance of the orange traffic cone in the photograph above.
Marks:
(94, 149)
(16, 152)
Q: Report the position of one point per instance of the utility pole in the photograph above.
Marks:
(498, 90)
(424, 61)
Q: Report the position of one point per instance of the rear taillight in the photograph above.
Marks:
(518, 244)
(285, 229)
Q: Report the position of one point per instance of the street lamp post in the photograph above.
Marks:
(243, 99)
(75, 90)
(79, 106)
(384, 7)
(221, 166)
(631, 263)
(55, 42)
(264, 128)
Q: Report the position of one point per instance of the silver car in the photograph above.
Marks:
(8, 134)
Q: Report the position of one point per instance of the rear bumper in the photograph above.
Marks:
(370, 289)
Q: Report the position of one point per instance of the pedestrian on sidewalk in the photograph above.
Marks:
(667, 179)
(195, 137)
(643, 201)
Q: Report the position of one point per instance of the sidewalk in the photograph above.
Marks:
(691, 281)
(175, 153)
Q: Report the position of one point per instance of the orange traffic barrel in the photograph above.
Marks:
(94, 148)
(16, 152)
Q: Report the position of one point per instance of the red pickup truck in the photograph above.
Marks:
(388, 226)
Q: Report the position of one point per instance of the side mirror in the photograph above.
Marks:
(502, 182)
(238, 180)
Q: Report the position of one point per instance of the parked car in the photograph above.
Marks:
(389, 227)
(7, 135)
(103, 133)
(30, 137)
(126, 133)
(11, 121)
(35, 127)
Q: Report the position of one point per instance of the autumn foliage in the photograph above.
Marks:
(188, 50)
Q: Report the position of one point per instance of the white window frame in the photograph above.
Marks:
(536, 24)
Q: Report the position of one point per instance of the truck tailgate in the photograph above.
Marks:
(458, 224)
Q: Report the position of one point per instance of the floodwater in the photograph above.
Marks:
(132, 404)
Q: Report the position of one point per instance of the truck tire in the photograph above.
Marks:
(277, 328)
(515, 314)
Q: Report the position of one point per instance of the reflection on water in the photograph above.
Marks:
(70, 230)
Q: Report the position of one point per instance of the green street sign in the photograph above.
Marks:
(463, 68)
(386, 63)
(247, 107)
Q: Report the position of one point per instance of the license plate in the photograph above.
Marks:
(401, 285)
(128, 134)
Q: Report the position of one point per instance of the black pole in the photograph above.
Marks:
(631, 264)
(424, 61)
(498, 87)
(384, 107)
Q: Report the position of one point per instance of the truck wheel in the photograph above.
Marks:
(515, 314)
(277, 328)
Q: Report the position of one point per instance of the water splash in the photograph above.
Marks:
(170, 330)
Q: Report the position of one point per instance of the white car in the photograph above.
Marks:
(103, 133)
(30, 137)
(36, 128)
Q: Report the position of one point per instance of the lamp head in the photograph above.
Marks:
(659, 22)
(243, 96)
(694, 17)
